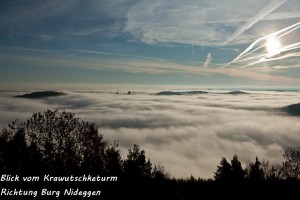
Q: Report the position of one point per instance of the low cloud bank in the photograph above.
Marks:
(188, 134)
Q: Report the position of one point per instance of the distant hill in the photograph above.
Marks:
(41, 94)
(236, 92)
(293, 109)
(168, 93)
(181, 93)
(195, 92)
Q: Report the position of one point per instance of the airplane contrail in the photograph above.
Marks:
(256, 45)
(270, 7)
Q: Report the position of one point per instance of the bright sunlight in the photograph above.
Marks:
(273, 46)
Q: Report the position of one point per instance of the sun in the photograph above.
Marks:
(273, 46)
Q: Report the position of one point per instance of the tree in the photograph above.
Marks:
(291, 165)
(16, 154)
(223, 172)
(114, 163)
(58, 141)
(159, 173)
(136, 165)
(92, 148)
(256, 172)
(237, 172)
(4, 138)
(272, 172)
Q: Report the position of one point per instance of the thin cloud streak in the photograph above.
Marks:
(142, 22)
(257, 45)
(270, 7)
(140, 65)
(208, 60)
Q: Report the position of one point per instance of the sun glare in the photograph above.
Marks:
(273, 46)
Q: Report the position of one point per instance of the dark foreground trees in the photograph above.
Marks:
(59, 144)
(54, 142)
(230, 171)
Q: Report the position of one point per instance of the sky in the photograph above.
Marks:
(195, 42)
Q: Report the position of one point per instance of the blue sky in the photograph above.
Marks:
(171, 42)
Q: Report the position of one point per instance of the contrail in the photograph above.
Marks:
(208, 60)
(284, 32)
(256, 45)
(295, 54)
(270, 7)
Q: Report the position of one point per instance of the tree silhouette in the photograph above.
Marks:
(57, 141)
(114, 163)
(230, 171)
(256, 172)
(291, 165)
(17, 154)
(237, 172)
(223, 172)
(4, 138)
(159, 172)
(272, 172)
(136, 165)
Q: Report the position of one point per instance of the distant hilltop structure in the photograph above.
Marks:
(128, 93)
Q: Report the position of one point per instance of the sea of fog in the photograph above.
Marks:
(186, 132)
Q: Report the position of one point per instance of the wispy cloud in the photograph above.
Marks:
(208, 60)
(107, 35)
(171, 21)
(97, 60)
(209, 23)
